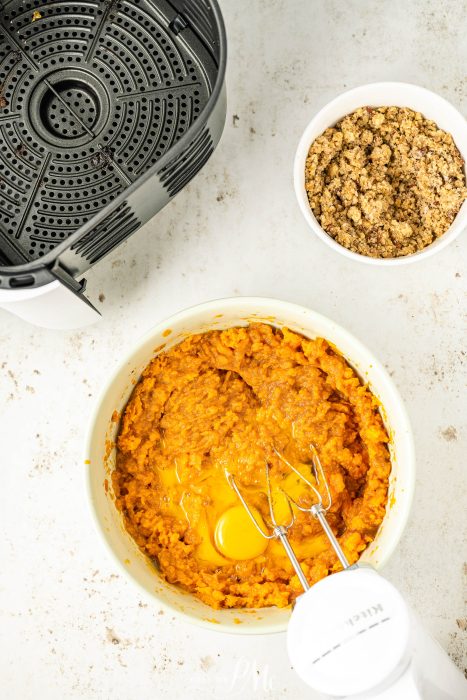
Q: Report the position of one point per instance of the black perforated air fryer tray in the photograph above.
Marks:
(107, 110)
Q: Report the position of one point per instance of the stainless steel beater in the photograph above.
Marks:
(318, 510)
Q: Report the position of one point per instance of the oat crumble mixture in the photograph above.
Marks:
(385, 182)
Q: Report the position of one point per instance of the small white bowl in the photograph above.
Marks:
(100, 450)
(417, 98)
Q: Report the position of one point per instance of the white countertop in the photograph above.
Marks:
(70, 625)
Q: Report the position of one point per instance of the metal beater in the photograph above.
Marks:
(318, 510)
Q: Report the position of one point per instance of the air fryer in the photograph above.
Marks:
(107, 110)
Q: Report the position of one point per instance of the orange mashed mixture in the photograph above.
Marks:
(223, 400)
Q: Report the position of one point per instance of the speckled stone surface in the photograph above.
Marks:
(71, 626)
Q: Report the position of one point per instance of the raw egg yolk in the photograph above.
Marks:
(236, 536)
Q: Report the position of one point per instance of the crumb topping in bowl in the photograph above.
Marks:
(385, 182)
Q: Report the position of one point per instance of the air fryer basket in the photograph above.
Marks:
(107, 110)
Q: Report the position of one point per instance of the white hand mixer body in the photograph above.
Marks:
(352, 635)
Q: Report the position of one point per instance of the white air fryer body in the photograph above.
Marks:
(353, 636)
(52, 305)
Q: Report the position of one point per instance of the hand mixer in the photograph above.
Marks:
(352, 635)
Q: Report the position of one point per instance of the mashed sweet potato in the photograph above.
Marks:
(225, 399)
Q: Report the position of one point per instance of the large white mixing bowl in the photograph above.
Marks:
(100, 449)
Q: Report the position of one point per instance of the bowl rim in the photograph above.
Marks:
(460, 220)
(280, 307)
